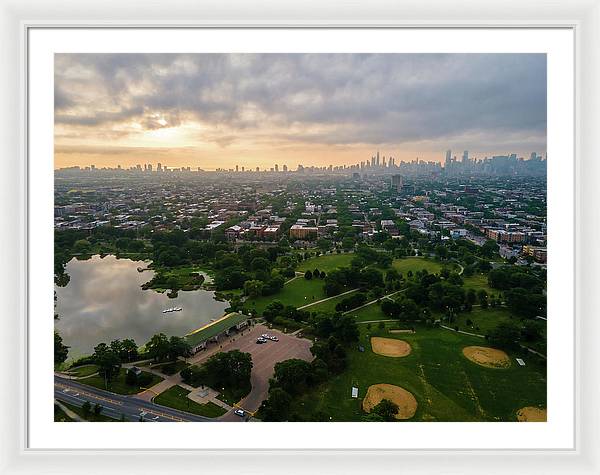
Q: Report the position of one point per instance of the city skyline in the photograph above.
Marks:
(221, 110)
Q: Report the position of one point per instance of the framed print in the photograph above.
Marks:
(311, 242)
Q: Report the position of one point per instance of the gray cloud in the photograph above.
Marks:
(315, 98)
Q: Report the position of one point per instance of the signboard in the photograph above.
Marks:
(354, 392)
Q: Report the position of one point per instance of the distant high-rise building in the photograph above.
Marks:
(237, 168)
(465, 157)
(397, 182)
(276, 167)
(448, 156)
(257, 169)
(285, 168)
(243, 169)
(377, 160)
(149, 167)
(159, 168)
(373, 161)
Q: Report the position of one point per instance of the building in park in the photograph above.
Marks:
(217, 330)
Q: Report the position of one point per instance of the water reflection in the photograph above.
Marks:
(104, 301)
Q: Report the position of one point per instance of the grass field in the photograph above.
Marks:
(327, 263)
(329, 305)
(368, 313)
(176, 397)
(298, 292)
(60, 416)
(85, 370)
(416, 264)
(483, 320)
(447, 386)
(118, 385)
(478, 282)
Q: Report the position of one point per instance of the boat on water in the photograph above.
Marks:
(172, 309)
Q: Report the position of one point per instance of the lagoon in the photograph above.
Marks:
(104, 301)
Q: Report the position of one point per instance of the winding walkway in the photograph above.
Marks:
(328, 298)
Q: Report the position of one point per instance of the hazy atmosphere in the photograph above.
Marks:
(219, 110)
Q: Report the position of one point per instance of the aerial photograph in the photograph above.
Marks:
(300, 237)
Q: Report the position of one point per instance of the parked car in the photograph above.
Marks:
(273, 338)
(239, 412)
(260, 341)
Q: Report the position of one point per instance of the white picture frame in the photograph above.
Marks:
(17, 18)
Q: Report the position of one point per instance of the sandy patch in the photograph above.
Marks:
(390, 347)
(531, 414)
(407, 404)
(488, 357)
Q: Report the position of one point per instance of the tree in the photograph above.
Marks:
(489, 248)
(308, 275)
(97, 409)
(277, 406)
(292, 375)
(386, 409)
(158, 347)
(531, 331)
(108, 361)
(178, 346)
(253, 288)
(86, 408)
(129, 350)
(505, 335)
(482, 295)
(61, 351)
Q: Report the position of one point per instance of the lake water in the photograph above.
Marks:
(104, 301)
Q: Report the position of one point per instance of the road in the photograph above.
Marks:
(115, 405)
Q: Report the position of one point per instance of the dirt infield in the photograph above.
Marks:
(407, 404)
(488, 357)
(390, 347)
(531, 414)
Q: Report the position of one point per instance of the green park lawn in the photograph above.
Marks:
(118, 385)
(327, 262)
(329, 305)
(447, 386)
(415, 264)
(369, 313)
(82, 371)
(483, 320)
(176, 397)
(297, 292)
(60, 416)
(478, 282)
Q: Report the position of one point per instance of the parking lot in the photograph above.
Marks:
(264, 358)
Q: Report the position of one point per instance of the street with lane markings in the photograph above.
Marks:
(118, 406)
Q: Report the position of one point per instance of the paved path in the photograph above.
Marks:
(328, 298)
(373, 301)
(70, 414)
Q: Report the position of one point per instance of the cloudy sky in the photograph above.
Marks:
(219, 110)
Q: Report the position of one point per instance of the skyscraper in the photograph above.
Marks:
(397, 182)
(159, 167)
(465, 157)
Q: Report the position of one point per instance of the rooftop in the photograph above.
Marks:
(213, 329)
